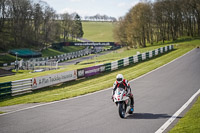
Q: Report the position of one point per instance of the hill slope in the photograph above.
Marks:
(98, 31)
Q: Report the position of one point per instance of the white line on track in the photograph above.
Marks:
(170, 120)
(93, 92)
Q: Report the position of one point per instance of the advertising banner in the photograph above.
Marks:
(52, 79)
(91, 71)
(84, 44)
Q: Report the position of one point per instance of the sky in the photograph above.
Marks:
(113, 8)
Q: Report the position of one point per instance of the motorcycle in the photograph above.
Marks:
(123, 102)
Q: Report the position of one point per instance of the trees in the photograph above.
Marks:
(99, 17)
(162, 20)
(137, 25)
(24, 23)
(78, 27)
(66, 20)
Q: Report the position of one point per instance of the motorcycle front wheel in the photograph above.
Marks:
(122, 109)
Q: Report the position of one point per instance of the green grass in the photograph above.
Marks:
(69, 49)
(190, 123)
(98, 31)
(1, 112)
(52, 52)
(99, 82)
(7, 58)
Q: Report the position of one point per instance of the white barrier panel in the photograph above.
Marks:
(156, 52)
(161, 50)
(143, 56)
(135, 58)
(166, 49)
(170, 47)
(126, 61)
(21, 85)
(114, 65)
(48, 80)
(150, 54)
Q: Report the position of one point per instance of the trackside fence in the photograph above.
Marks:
(5, 89)
(21, 86)
(27, 85)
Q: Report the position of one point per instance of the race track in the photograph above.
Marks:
(158, 95)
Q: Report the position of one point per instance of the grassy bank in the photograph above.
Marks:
(98, 31)
(190, 123)
(98, 82)
(7, 58)
(52, 52)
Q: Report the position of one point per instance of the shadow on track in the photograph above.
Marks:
(148, 116)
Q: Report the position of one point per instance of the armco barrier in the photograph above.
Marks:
(120, 63)
(20, 86)
(131, 60)
(108, 67)
(114, 65)
(5, 89)
(140, 57)
(14, 87)
(137, 58)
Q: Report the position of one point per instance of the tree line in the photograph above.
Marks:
(161, 20)
(24, 23)
(99, 17)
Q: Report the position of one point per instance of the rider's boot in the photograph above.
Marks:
(132, 108)
(132, 104)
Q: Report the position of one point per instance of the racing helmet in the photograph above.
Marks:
(119, 78)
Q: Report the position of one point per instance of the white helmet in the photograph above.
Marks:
(119, 78)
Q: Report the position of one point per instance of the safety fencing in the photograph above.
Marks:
(91, 71)
(42, 61)
(27, 85)
(5, 89)
(21, 86)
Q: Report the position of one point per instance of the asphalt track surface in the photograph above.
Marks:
(158, 95)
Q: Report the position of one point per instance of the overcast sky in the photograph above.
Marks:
(114, 8)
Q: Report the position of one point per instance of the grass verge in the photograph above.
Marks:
(1, 112)
(190, 123)
(98, 82)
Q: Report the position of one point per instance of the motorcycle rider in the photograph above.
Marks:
(123, 83)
